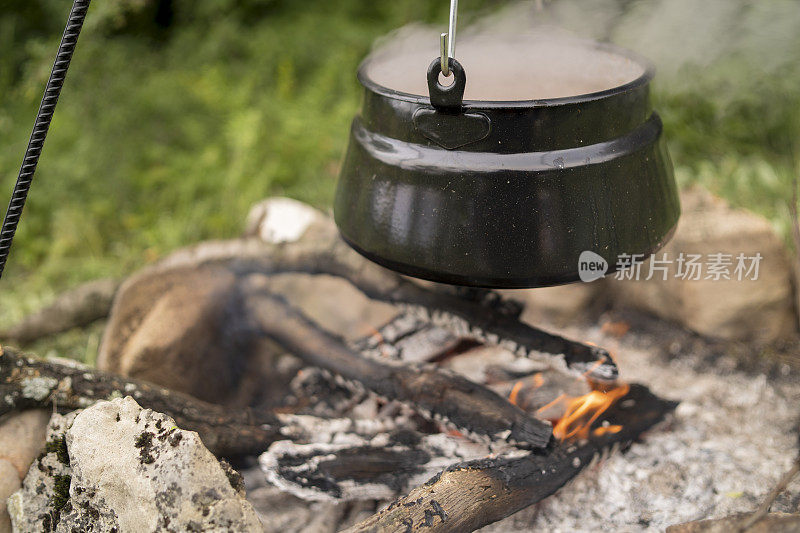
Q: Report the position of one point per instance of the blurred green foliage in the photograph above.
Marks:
(178, 115)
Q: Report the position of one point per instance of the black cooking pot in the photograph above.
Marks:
(505, 193)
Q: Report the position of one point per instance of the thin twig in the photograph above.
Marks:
(795, 218)
(762, 511)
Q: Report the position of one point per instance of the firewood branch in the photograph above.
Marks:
(795, 222)
(471, 495)
(484, 316)
(470, 407)
(763, 509)
(75, 308)
(28, 382)
(462, 316)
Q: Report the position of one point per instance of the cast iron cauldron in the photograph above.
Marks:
(506, 194)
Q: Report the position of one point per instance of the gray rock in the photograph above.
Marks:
(333, 303)
(760, 310)
(183, 325)
(320, 297)
(45, 489)
(9, 483)
(22, 436)
(181, 329)
(117, 467)
(279, 219)
(561, 305)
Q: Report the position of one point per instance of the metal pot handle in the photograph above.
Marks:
(446, 97)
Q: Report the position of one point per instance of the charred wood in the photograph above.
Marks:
(469, 495)
(468, 406)
(28, 382)
(368, 467)
(407, 338)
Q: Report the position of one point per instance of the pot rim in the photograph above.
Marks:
(648, 72)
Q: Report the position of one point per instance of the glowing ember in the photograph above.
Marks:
(581, 412)
(614, 428)
(616, 329)
(375, 334)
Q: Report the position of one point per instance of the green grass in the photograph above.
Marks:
(166, 136)
(169, 129)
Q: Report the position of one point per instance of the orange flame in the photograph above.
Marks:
(597, 364)
(561, 397)
(512, 397)
(583, 411)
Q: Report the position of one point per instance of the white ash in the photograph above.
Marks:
(295, 468)
(326, 430)
(732, 437)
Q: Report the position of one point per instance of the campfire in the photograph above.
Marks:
(581, 413)
(453, 412)
(455, 407)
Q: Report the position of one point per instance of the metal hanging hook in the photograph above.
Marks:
(447, 41)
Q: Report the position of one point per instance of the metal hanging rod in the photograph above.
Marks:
(40, 127)
(447, 41)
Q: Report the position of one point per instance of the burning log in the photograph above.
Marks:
(466, 495)
(65, 385)
(470, 407)
(469, 495)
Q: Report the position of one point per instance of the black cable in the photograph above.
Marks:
(40, 127)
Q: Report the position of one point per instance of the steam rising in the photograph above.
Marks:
(682, 37)
(538, 64)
